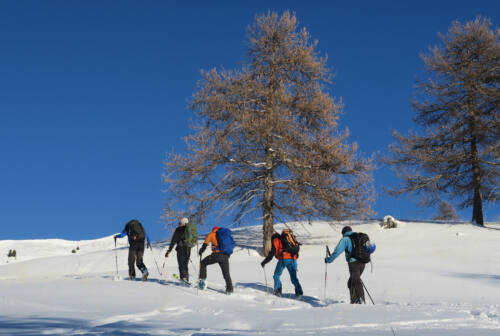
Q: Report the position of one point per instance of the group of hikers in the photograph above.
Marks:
(284, 247)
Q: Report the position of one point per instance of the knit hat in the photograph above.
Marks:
(346, 229)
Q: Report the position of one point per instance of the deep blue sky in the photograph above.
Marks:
(93, 94)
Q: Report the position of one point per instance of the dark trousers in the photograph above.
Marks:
(354, 283)
(183, 254)
(223, 261)
(135, 255)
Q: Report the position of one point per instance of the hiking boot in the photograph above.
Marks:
(201, 284)
(358, 301)
(145, 275)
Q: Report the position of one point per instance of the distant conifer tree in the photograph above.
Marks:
(446, 211)
(458, 151)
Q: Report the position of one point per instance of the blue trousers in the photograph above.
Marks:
(291, 266)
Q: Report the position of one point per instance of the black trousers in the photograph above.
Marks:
(354, 283)
(183, 254)
(223, 261)
(135, 254)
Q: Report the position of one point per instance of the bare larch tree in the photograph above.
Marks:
(266, 139)
(458, 154)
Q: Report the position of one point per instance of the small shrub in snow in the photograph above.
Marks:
(389, 222)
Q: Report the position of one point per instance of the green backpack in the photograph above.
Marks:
(190, 235)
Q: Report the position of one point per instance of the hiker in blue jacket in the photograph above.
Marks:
(356, 268)
(136, 236)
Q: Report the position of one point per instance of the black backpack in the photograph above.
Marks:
(136, 231)
(290, 243)
(360, 244)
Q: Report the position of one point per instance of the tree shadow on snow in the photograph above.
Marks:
(313, 301)
(476, 276)
(65, 326)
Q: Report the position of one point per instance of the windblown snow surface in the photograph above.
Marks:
(427, 279)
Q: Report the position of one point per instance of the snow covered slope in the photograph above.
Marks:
(427, 279)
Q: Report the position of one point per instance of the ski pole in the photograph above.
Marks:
(192, 264)
(265, 279)
(116, 260)
(326, 269)
(366, 289)
(158, 268)
(163, 266)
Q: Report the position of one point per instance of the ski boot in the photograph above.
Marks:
(298, 292)
(277, 292)
(145, 275)
(202, 284)
(229, 291)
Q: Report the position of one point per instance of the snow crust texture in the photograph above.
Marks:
(427, 279)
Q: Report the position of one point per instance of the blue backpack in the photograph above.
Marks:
(225, 241)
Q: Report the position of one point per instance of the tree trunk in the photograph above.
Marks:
(268, 228)
(477, 210)
(477, 206)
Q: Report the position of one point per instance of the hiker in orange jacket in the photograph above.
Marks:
(216, 257)
(285, 259)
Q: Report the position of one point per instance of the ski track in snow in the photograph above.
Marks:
(429, 279)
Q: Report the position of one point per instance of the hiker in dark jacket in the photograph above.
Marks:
(136, 236)
(182, 249)
(217, 257)
(285, 260)
(356, 268)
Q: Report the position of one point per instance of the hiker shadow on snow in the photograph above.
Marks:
(313, 301)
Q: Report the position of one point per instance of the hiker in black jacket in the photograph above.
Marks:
(182, 249)
(136, 237)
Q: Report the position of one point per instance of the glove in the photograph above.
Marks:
(115, 237)
(166, 254)
(262, 264)
(326, 260)
(203, 247)
(148, 246)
